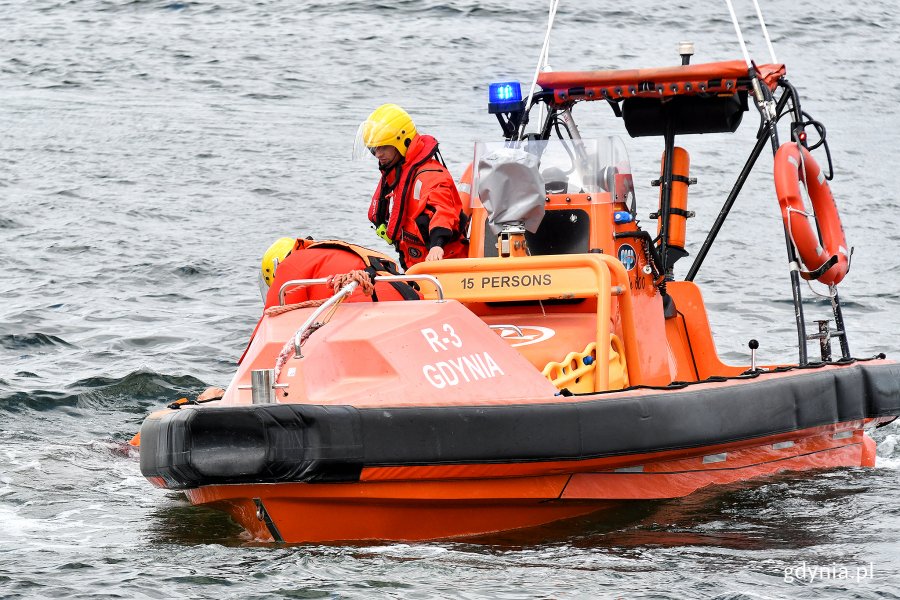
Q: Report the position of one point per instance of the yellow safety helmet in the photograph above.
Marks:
(276, 254)
(388, 125)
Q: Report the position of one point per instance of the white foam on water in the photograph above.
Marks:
(14, 525)
(888, 456)
(887, 462)
(73, 528)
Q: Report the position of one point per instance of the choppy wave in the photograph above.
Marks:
(139, 386)
(133, 393)
(499, 9)
(30, 340)
(37, 400)
(162, 5)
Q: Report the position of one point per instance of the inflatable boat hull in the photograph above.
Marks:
(313, 473)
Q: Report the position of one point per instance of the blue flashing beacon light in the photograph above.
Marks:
(505, 97)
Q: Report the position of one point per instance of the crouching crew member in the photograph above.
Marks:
(290, 258)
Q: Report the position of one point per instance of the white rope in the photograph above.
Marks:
(832, 290)
(545, 66)
(765, 31)
(542, 60)
(286, 352)
(740, 35)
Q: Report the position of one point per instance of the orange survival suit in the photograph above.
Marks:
(418, 202)
(314, 260)
(317, 260)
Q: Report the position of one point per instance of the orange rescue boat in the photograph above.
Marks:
(558, 370)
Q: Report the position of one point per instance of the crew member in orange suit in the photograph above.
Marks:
(289, 259)
(416, 206)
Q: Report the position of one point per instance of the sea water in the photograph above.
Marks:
(151, 150)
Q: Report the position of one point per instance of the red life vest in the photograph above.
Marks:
(416, 198)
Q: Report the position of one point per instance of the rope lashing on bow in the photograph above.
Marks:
(336, 282)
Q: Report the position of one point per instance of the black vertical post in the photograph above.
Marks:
(793, 260)
(794, 263)
(666, 195)
(839, 324)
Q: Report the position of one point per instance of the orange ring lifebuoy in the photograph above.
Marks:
(793, 164)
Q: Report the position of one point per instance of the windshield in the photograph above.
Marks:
(572, 166)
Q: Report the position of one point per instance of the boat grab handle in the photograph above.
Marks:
(429, 278)
(297, 283)
(387, 278)
(345, 291)
(307, 325)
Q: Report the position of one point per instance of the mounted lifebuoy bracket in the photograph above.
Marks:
(828, 260)
(464, 187)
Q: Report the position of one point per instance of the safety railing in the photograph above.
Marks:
(385, 278)
(548, 277)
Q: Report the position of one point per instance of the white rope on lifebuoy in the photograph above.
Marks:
(822, 250)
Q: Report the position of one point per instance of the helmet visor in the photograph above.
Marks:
(365, 135)
(263, 286)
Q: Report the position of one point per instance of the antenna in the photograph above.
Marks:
(740, 35)
(765, 31)
(542, 59)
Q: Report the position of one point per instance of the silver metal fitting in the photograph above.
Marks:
(262, 386)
